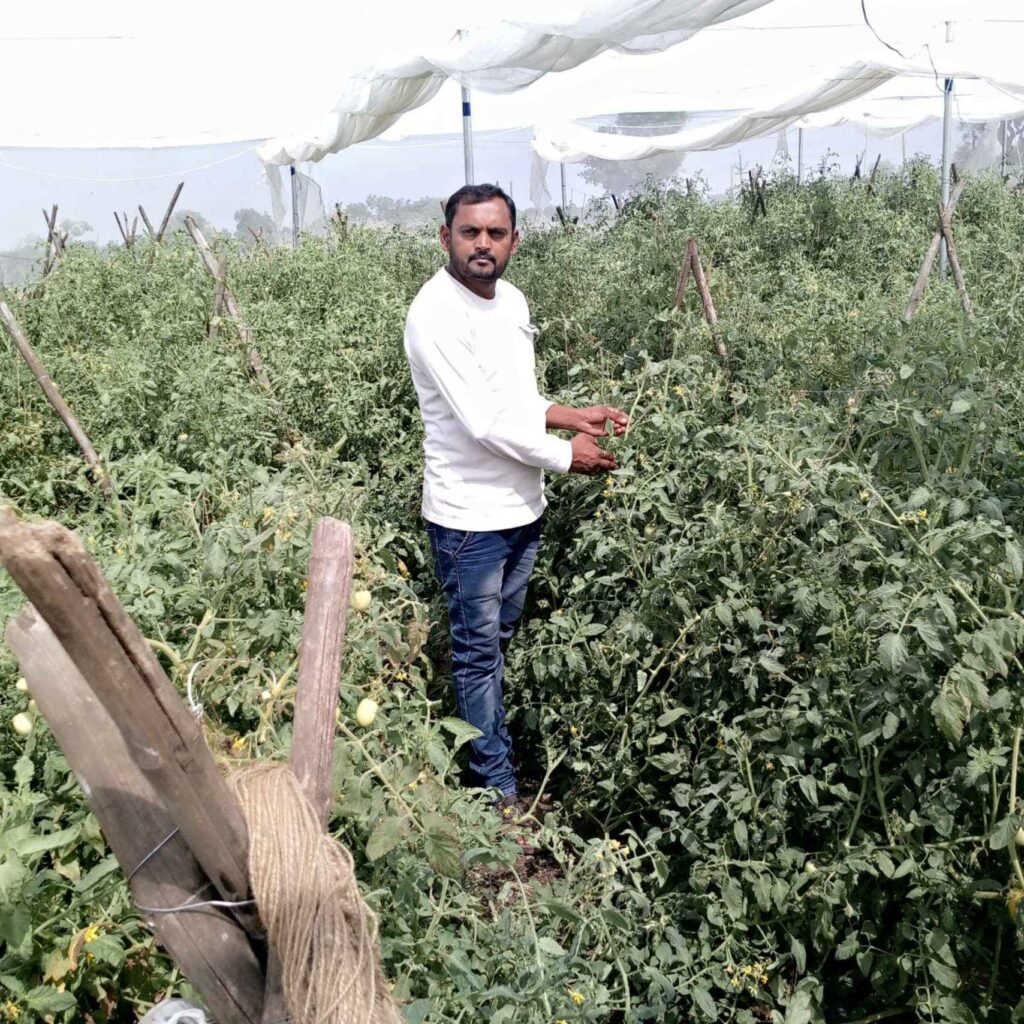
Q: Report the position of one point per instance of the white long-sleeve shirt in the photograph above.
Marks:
(486, 445)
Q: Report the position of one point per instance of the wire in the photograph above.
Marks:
(147, 177)
(867, 21)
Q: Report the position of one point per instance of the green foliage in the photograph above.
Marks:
(768, 668)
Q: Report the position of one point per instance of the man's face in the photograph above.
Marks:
(480, 240)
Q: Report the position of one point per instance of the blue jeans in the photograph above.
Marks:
(484, 575)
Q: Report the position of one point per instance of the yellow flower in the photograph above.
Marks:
(561, 1020)
(769, 766)
(238, 743)
(268, 513)
(401, 677)
(12, 1010)
(735, 981)
(577, 997)
(574, 730)
(764, 979)
(614, 844)
(599, 855)
(558, 611)
(677, 390)
(305, 585)
(92, 933)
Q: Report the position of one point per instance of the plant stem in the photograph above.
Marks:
(1011, 843)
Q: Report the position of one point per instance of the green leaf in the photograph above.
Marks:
(614, 918)
(959, 407)
(919, 498)
(799, 951)
(386, 835)
(51, 841)
(950, 711)
(670, 716)
(943, 974)
(892, 651)
(772, 665)
(46, 999)
(702, 998)
(733, 896)
(442, 848)
(462, 731)
(548, 945)
(800, 1009)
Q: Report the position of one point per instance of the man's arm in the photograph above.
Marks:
(517, 434)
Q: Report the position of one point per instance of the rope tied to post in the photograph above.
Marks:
(316, 919)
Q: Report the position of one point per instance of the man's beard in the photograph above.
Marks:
(482, 271)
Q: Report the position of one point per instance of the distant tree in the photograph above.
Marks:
(177, 222)
(387, 210)
(75, 228)
(980, 146)
(620, 176)
(247, 218)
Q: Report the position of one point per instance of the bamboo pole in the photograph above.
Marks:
(709, 306)
(53, 396)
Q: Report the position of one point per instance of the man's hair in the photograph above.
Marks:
(477, 194)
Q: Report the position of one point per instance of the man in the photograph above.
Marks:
(469, 342)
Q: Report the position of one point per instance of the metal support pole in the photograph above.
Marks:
(565, 206)
(295, 207)
(467, 129)
(1002, 159)
(799, 156)
(903, 150)
(947, 149)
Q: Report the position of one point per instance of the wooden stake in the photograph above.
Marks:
(954, 262)
(53, 396)
(212, 950)
(684, 274)
(316, 693)
(123, 230)
(164, 739)
(145, 220)
(692, 263)
(216, 270)
(917, 292)
(169, 211)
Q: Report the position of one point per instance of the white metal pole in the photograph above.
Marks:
(1002, 159)
(947, 147)
(799, 156)
(565, 207)
(295, 208)
(467, 129)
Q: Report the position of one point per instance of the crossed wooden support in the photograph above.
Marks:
(144, 766)
(943, 231)
(692, 264)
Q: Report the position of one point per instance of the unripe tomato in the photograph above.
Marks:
(22, 723)
(366, 712)
(360, 600)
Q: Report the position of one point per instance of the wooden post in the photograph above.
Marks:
(684, 274)
(170, 210)
(316, 693)
(145, 220)
(954, 262)
(917, 292)
(692, 263)
(55, 572)
(215, 268)
(218, 302)
(212, 950)
(123, 228)
(53, 396)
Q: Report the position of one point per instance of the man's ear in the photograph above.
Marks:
(516, 239)
(446, 237)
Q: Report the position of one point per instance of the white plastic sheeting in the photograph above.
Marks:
(811, 75)
(504, 58)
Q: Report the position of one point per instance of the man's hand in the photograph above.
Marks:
(591, 420)
(588, 458)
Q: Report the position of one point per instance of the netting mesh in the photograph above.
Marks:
(385, 183)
